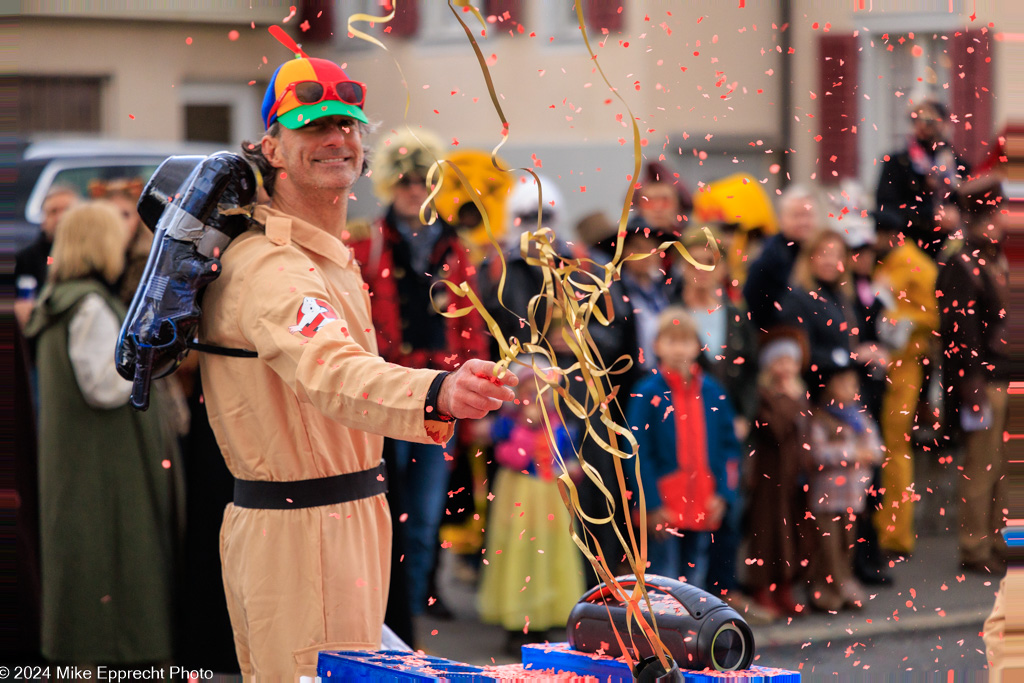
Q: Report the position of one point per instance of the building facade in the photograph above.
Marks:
(776, 88)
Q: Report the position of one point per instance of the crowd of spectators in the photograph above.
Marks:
(777, 399)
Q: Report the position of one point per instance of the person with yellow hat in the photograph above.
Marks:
(306, 544)
(743, 213)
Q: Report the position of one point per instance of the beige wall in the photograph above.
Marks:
(551, 95)
(1009, 20)
(146, 62)
(534, 73)
(215, 11)
(555, 101)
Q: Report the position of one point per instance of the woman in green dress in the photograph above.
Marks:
(107, 474)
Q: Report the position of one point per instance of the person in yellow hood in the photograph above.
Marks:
(491, 187)
(742, 208)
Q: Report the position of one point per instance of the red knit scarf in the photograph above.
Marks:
(688, 490)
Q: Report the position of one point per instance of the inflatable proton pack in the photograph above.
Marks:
(195, 207)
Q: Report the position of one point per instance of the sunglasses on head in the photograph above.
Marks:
(531, 217)
(314, 92)
(656, 201)
(410, 180)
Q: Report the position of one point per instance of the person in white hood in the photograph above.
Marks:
(522, 209)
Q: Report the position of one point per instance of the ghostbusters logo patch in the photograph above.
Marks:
(313, 314)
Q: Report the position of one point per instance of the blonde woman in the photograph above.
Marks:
(124, 194)
(106, 473)
(821, 302)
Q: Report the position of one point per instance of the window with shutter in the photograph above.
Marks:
(604, 14)
(220, 112)
(318, 18)
(971, 79)
(837, 109)
(406, 23)
(439, 27)
(559, 20)
(498, 8)
(902, 61)
(56, 104)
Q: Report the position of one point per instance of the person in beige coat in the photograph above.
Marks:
(306, 544)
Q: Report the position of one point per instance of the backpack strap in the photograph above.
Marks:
(221, 350)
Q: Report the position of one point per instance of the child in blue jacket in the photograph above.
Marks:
(688, 450)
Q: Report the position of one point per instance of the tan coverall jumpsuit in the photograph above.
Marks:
(314, 404)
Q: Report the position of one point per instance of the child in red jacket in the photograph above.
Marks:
(688, 451)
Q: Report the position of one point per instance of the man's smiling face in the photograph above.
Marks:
(325, 154)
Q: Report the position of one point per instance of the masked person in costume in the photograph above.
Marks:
(306, 545)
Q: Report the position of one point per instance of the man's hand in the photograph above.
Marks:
(23, 311)
(472, 391)
(716, 510)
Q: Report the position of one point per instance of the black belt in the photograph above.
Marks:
(310, 493)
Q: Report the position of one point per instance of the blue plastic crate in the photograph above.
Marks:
(392, 665)
(560, 656)
(1014, 536)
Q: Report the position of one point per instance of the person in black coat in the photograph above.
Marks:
(973, 302)
(820, 303)
(918, 185)
(768, 278)
(30, 263)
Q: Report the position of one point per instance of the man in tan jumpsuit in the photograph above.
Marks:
(305, 551)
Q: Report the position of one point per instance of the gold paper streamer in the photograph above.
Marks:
(579, 291)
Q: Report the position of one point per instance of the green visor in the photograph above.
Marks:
(300, 116)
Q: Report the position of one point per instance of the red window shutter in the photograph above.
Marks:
(498, 8)
(837, 109)
(320, 16)
(603, 14)
(407, 18)
(971, 80)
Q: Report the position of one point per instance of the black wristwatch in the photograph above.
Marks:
(430, 409)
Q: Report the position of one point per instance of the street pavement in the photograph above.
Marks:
(927, 622)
